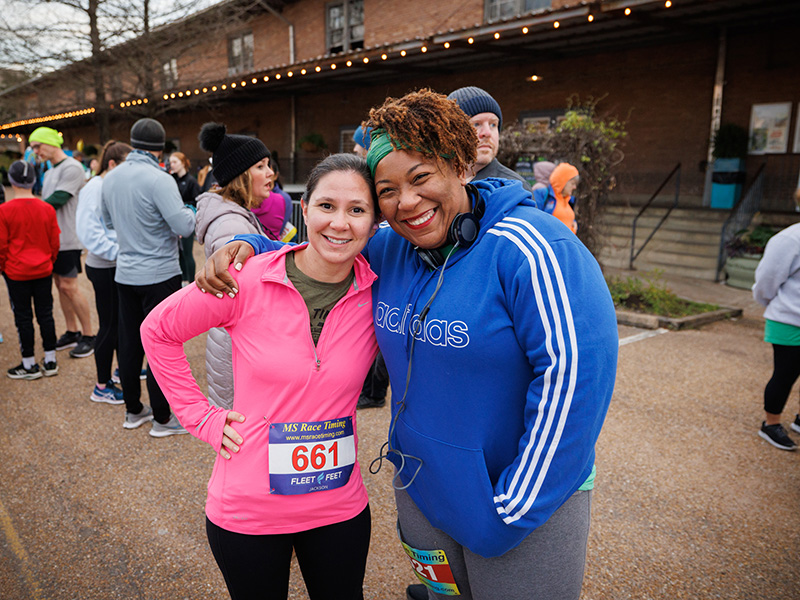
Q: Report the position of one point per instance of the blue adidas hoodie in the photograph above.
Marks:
(512, 371)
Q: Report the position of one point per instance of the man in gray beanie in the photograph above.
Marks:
(142, 203)
(485, 115)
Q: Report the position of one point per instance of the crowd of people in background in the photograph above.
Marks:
(399, 233)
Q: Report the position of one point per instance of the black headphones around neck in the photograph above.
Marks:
(462, 233)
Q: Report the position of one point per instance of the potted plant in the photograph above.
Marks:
(312, 142)
(729, 149)
(744, 252)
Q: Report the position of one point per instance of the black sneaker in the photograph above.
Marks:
(84, 348)
(69, 340)
(796, 424)
(367, 402)
(20, 372)
(50, 368)
(416, 592)
(776, 435)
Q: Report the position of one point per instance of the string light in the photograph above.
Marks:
(44, 119)
(303, 71)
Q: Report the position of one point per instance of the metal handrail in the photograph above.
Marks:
(636, 253)
(741, 215)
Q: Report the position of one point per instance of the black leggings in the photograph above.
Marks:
(332, 559)
(786, 371)
(107, 303)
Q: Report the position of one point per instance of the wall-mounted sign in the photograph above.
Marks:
(769, 128)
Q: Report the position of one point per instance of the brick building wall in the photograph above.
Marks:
(663, 91)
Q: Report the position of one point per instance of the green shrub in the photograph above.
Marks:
(652, 296)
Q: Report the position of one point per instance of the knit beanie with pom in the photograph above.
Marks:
(232, 154)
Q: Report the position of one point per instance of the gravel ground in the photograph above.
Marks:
(689, 502)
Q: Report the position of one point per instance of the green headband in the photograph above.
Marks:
(379, 146)
(382, 144)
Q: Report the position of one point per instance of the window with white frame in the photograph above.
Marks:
(169, 73)
(504, 9)
(344, 25)
(240, 53)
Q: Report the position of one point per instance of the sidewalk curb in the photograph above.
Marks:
(644, 321)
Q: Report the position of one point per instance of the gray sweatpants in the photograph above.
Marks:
(547, 565)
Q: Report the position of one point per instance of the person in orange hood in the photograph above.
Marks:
(557, 198)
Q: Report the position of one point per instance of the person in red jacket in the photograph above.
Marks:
(29, 245)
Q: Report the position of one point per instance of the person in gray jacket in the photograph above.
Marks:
(244, 179)
(142, 203)
(777, 287)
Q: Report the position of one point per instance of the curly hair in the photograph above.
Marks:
(429, 123)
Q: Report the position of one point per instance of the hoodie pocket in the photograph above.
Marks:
(454, 492)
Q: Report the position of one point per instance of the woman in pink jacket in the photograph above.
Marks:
(286, 476)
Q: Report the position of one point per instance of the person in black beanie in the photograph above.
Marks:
(485, 115)
(244, 180)
(142, 203)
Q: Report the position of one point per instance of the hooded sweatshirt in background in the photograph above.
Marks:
(551, 200)
(542, 171)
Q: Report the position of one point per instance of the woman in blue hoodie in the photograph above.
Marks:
(500, 339)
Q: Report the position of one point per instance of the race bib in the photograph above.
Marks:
(310, 457)
(433, 569)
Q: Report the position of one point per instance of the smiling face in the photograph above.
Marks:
(487, 126)
(420, 196)
(340, 219)
(262, 178)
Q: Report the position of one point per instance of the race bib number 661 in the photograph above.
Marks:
(310, 457)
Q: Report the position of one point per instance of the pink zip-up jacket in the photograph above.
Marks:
(282, 383)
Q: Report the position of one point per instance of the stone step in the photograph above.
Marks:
(621, 235)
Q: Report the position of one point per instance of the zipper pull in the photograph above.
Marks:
(319, 362)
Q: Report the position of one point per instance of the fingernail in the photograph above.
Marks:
(202, 290)
(235, 291)
(219, 294)
(231, 294)
(238, 266)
